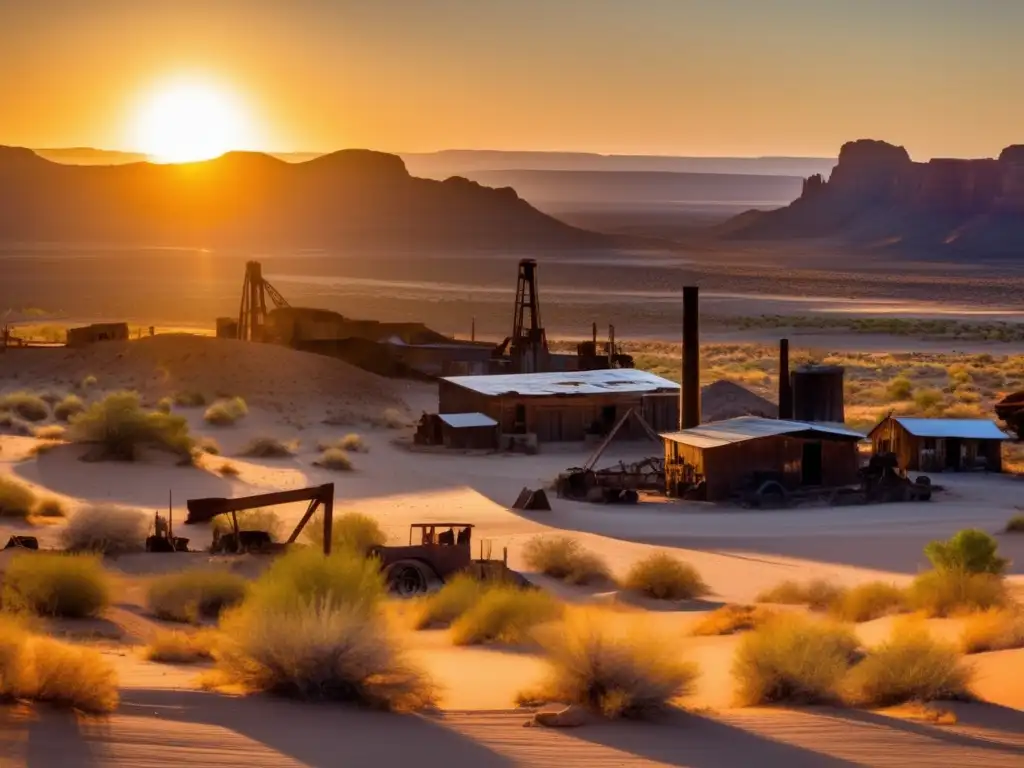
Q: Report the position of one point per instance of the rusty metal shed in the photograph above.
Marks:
(726, 454)
(935, 445)
(564, 406)
(458, 430)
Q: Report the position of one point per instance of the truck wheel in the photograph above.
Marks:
(630, 497)
(406, 579)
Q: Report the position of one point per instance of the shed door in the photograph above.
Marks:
(811, 466)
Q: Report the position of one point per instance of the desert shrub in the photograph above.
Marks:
(352, 443)
(613, 670)
(189, 399)
(165, 404)
(564, 558)
(869, 601)
(909, 666)
(964, 411)
(49, 432)
(818, 594)
(336, 459)
(224, 413)
(49, 506)
(928, 399)
(968, 550)
(945, 592)
(50, 397)
(304, 577)
(208, 445)
(267, 448)
(320, 649)
(259, 519)
(506, 615)
(26, 405)
(993, 630)
(664, 577)
(189, 596)
(16, 499)
(118, 427)
(72, 586)
(1015, 524)
(87, 382)
(351, 531)
(227, 469)
(68, 407)
(730, 619)
(792, 658)
(106, 529)
(392, 418)
(14, 425)
(65, 675)
(14, 634)
(450, 602)
(900, 388)
(177, 647)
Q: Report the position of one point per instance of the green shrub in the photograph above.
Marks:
(969, 550)
(190, 596)
(818, 594)
(119, 428)
(351, 531)
(942, 593)
(910, 666)
(564, 558)
(613, 670)
(268, 448)
(106, 530)
(336, 459)
(224, 413)
(993, 630)
(794, 659)
(664, 577)
(72, 586)
(1015, 524)
(869, 601)
(177, 647)
(70, 406)
(17, 500)
(189, 399)
(26, 405)
(506, 615)
(450, 602)
(900, 388)
(730, 619)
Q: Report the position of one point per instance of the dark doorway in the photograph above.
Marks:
(519, 423)
(953, 453)
(811, 472)
(608, 418)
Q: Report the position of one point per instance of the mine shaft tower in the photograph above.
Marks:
(529, 343)
(252, 314)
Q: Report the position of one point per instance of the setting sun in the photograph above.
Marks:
(187, 121)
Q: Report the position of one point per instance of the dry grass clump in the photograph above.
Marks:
(392, 419)
(450, 602)
(49, 507)
(208, 446)
(564, 558)
(505, 615)
(993, 630)
(178, 647)
(165, 404)
(187, 399)
(190, 596)
(909, 666)
(266, 447)
(793, 658)
(14, 634)
(49, 432)
(119, 428)
(14, 425)
(106, 529)
(865, 602)
(613, 670)
(227, 469)
(224, 413)
(900, 388)
(817, 595)
(26, 405)
(259, 519)
(71, 586)
(664, 577)
(70, 406)
(16, 499)
(1015, 524)
(944, 593)
(336, 459)
(352, 443)
(87, 382)
(351, 531)
(730, 619)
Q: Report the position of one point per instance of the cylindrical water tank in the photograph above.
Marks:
(818, 394)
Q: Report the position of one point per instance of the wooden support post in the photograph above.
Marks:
(328, 519)
(310, 511)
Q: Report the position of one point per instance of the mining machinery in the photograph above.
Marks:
(252, 314)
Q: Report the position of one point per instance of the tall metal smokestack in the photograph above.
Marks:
(689, 406)
(785, 382)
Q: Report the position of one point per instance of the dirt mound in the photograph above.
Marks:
(266, 375)
(727, 400)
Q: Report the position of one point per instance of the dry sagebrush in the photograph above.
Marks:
(817, 595)
(997, 629)
(335, 459)
(190, 596)
(69, 406)
(564, 558)
(106, 529)
(868, 601)
(225, 412)
(118, 428)
(178, 647)
(450, 602)
(266, 447)
(351, 531)
(26, 405)
(17, 500)
(730, 619)
(505, 615)
(70, 586)
(664, 577)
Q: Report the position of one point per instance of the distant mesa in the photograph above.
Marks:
(877, 194)
(352, 198)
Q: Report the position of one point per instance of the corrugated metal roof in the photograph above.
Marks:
(717, 433)
(567, 383)
(968, 429)
(463, 420)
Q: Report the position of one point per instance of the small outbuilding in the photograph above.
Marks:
(89, 334)
(935, 445)
(724, 457)
(466, 431)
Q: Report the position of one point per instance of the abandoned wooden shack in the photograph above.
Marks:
(564, 407)
(727, 456)
(467, 431)
(935, 445)
(89, 334)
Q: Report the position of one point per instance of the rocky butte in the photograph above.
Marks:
(877, 196)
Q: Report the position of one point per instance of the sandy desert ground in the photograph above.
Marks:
(165, 718)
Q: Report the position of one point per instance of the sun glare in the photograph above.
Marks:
(186, 121)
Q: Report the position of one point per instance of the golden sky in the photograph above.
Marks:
(711, 77)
